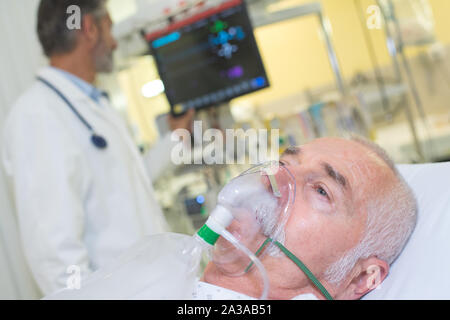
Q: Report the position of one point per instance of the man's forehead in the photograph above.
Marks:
(338, 149)
(344, 162)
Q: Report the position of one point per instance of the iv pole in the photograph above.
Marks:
(394, 48)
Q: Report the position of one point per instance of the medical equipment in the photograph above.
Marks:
(98, 141)
(208, 58)
(253, 206)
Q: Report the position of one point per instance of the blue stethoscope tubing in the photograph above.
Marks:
(98, 141)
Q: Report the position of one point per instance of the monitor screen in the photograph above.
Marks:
(209, 59)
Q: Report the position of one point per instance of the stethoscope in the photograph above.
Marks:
(98, 141)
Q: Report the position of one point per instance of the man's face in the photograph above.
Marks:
(106, 44)
(334, 179)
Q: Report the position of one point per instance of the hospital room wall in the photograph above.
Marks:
(20, 57)
(20, 53)
(298, 60)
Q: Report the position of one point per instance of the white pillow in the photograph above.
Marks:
(422, 271)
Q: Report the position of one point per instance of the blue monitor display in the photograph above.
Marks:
(209, 59)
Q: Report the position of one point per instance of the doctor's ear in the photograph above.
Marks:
(371, 273)
(90, 29)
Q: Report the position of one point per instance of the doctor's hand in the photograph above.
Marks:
(182, 122)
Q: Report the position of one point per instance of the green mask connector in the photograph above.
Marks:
(208, 235)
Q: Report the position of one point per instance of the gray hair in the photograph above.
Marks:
(391, 218)
(54, 35)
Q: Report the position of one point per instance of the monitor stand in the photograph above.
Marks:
(216, 117)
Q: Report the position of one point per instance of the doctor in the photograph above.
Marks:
(82, 189)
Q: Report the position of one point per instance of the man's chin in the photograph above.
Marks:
(105, 65)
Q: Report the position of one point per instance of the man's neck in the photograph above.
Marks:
(76, 64)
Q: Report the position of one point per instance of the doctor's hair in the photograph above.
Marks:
(391, 218)
(53, 33)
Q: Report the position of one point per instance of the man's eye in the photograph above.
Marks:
(322, 191)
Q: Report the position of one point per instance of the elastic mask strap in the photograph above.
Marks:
(299, 264)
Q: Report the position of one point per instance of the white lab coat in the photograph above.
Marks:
(76, 204)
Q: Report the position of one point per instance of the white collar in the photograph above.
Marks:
(207, 291)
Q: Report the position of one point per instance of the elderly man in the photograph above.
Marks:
(352, 217)
(353, 214)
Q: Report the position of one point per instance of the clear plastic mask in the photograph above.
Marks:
(260, 200)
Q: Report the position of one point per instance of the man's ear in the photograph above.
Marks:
(369, 275)
(90, 30)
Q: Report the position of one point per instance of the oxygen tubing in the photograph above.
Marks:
(262, 271)
(300, 264)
